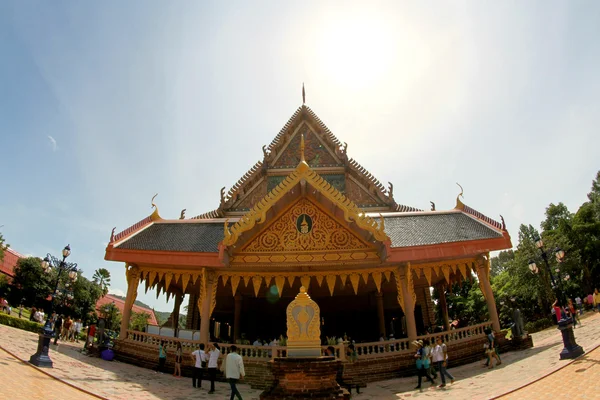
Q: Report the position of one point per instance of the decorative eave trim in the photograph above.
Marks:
(479, 216)
(258, 214)
(133, 228)
(442, 251)
(166, 258)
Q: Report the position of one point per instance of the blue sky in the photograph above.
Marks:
(104, 104)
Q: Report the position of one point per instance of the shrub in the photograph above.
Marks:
(20, 323)
(539, 325)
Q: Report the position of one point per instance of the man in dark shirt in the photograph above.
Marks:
(57, 328)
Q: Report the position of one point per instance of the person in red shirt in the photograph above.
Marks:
(557, 310)
(91, 335)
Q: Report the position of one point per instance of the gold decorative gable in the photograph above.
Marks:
(304, 227)
(258, 214)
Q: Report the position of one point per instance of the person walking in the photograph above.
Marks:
(596, 298)
(57, 328)
(440, 358)
(234, 371)
(422, 364)
(178, 351)
(491, 350)
(579, 305)
(162, 356)
(213, 358)
(200, 358)
(78, 326)
(573, 312)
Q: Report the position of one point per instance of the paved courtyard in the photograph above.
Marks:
(115, 380)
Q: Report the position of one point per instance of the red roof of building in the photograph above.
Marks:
(121, 305)
(10, 262)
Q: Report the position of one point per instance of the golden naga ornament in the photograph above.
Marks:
(303, 327)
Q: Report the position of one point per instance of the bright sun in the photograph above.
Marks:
(356, 49)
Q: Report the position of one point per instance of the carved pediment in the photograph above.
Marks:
(305, 233)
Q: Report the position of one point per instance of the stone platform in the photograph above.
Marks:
(304, 378)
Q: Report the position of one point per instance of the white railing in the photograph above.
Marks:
(460, 334)
(265, 353)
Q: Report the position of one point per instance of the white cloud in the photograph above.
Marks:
(53, 142)
(118, 292)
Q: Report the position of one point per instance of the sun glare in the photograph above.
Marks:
(356, 49)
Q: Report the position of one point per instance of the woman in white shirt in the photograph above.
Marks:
(213, 360)
(200, 358)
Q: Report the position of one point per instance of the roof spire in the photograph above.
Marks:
(303, 94)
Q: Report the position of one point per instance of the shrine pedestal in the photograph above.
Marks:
(304, 378)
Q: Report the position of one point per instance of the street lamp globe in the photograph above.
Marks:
(73, 275)
(532, 266)
(66, 251)
(560, 255)
(539, 243)
(46, 264)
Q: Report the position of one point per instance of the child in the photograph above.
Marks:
(178, 352)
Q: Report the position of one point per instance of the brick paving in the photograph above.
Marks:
(115, 380)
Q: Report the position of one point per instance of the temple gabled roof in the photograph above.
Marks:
(324, 152)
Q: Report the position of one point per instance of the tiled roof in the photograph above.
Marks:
(434, 228)
(9, 262)
(191, 237)
(404, 230)
(120, 304)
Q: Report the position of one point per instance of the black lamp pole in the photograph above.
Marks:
(571, 349)
(41, 357)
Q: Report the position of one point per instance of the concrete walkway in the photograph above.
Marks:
(115, 380)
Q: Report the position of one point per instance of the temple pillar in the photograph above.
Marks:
(237, 314)
(208, 297)
(443, 306)
(407, 298)
(380, 313)
(132, 274)
(483, 274)
(176, 309)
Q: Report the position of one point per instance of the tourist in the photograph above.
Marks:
(491, 350)
(440, 358)
(71, 333)
(234, 371)
(422, 363)
(352, 354)
(200, 358)
(57, 328)
(573, 312)
(330, 351)
(91, 334)
(162, 356)
(596, 300)
(32, 314)
(78, 325)
(213, 358)
(579, 305)
(20, 311)
(178, 351)
(66, 326)
(590, 301)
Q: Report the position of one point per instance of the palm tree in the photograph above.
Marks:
(102, 279)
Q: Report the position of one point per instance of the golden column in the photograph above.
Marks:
(207, 295)
(483, 274)
(132, 273)
(407, 297)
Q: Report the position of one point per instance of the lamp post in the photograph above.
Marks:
(571, 349)
(41, 357)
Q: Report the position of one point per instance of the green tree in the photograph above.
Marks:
(4, 285)
(112, 316)
(3, 247)
(139, 321)
(102, 279)
(31, 284)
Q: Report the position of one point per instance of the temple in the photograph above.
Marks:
(308, 215)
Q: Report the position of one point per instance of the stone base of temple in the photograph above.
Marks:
(303, 378)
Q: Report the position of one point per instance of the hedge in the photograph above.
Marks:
(20, 323)
(539, 325)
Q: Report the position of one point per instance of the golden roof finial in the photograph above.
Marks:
(302, 148)
(303, 94)
(155, 214)
(459, 204)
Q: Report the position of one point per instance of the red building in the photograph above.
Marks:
(8, 264)
(108, 299)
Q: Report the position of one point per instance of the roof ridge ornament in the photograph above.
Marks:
(459, 204)
(303, 94)
(154, 216)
